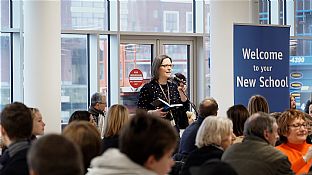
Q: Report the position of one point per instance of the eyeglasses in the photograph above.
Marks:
(298, 125)
(167, 65)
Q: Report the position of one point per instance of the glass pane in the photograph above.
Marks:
(133, 56)
(303, 17)
(207, 66)
(103, 63)
(156, 16)
(301, 71)
(5, 14)
(74, 75)
(179, 54)
(207, 16)
(91, 14)
(5, 71)
(264, 12)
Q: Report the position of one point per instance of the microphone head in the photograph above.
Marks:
(176, 80)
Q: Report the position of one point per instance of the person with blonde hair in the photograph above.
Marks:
(117, 116)
(213, 137)
(87, 137)
(38, 124)
(258, 103)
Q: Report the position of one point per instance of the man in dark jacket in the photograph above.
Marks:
(256, 155)
(97, 109)
(16, 128)
(207, 107)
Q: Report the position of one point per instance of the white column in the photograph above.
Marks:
(42, 61)
(223, 15)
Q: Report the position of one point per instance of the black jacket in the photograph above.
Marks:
(14, 161)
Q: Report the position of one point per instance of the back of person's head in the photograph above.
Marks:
(54, 155)
(117, 116)
(276, 115)
(207, 107)
(146, 135)
(238, 114)
(258, 103)
(258, 123)
(213, 167)
(87, 137)
(285, 120)
(79, 116)
(16, 120)
(213, 130)
(97, 98)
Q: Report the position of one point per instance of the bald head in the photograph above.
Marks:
(207, 107)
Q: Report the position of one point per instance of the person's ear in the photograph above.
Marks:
(266, 134)
(149, 164)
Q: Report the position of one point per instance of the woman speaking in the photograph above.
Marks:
(161, 87)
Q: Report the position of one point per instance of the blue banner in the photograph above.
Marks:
(261, 64)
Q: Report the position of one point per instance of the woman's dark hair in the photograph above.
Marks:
(306, 108)
(79, 115)
(238, 114)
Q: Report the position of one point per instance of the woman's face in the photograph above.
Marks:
(298, 131)
(38, 124)
(292, 103)
(228, 141)
(165, 69)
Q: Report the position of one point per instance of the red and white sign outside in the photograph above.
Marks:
(136, 78)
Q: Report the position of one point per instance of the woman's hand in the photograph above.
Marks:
(182, 92)
(158, 112)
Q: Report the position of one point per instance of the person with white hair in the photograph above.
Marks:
(213, 137)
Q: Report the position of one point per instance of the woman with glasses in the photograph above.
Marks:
(292, 128)
(161, 87)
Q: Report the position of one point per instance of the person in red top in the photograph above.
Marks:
(292, 128)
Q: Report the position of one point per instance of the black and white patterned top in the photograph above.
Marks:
(152, 91)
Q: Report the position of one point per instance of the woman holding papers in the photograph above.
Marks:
(160, 88)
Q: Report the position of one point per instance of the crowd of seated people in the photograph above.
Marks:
(244, 142)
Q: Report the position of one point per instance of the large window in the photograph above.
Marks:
(74, 75)
(5, 14)
(81, 14)
(155, 16)
(5, 65)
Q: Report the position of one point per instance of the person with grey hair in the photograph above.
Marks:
(213, 137)
(256, 154)
(160, 87)
(97, 110)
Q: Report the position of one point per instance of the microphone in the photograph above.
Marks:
(176, 79)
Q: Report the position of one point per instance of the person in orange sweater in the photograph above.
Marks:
(292, 128)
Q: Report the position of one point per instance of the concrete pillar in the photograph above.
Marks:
(42, 60)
